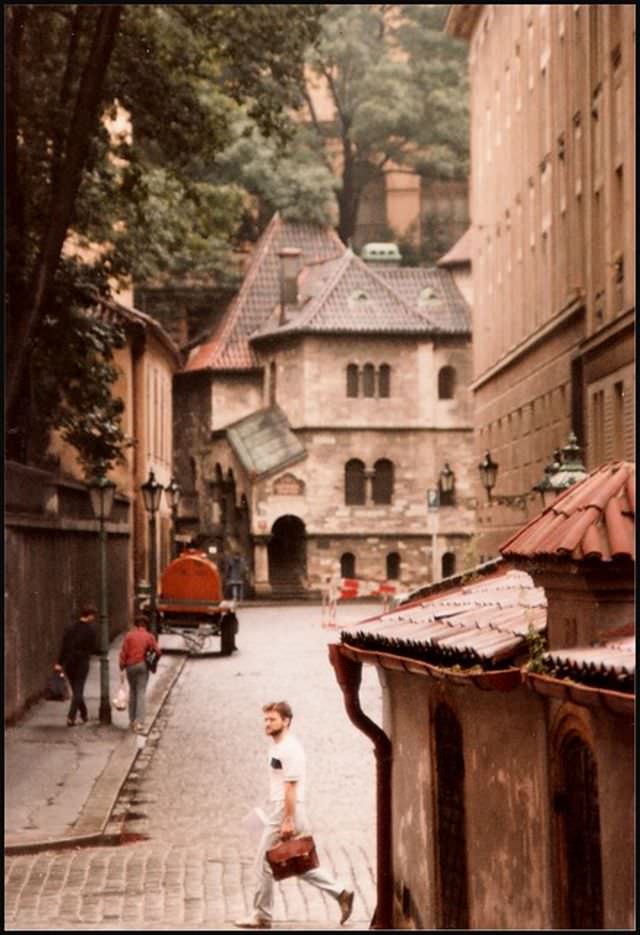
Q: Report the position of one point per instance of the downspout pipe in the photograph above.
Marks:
(349, 676)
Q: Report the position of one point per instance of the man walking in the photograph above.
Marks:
(78, 643)
(286, 818)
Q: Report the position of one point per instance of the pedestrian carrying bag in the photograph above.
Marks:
(57, 687)
(293, 857)
(121, 697)
(151, 659)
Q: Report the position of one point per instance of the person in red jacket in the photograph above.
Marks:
(132, 661)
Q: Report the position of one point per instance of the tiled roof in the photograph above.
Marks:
(483, 623)
(461, 251)
(260, 292)
(339, 293)
(611, 664)
(595, 519)
(432, 293)
(264, 442)
(349, 296)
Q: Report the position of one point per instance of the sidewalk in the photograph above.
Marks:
(61, 783)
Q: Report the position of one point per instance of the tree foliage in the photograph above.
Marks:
(399, 90)
(182, 72)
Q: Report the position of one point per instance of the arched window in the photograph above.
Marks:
(368, 380)
(383, 481)
(348, 565)
(450, 820)
(352, 380)
(577, 809)
(384, 381)
(393, 566)
(446, 383)
(354, 483)
(448, 564)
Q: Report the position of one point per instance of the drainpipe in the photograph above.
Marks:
(349, 675)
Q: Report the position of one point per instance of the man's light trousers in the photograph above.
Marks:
(263, 899)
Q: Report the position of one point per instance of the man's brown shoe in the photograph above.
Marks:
(345, 901)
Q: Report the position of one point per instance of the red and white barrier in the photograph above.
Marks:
(345, 589)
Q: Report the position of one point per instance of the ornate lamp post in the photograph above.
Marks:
(447, 483)
(151, 493)
(101, 493)
(488, 473)
(172, 494)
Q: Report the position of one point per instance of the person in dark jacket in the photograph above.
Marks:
(78, 644)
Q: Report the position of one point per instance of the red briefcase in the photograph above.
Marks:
(293, 857)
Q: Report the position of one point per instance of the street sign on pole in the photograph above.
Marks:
(433, 500)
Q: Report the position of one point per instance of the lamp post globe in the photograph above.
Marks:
(101, 495)
(172, 494)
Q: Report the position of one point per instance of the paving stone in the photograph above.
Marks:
(202, 770)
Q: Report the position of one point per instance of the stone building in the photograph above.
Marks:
(553, 247)
(506, 767)
(309, 428)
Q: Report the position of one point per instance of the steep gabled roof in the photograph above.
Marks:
(338, 293)
(461, 252)
(349, 296)
(229, 347)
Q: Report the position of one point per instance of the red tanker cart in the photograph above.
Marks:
(190, 602)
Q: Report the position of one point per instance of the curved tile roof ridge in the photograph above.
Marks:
(594, 519)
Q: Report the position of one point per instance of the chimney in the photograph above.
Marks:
(290, 263)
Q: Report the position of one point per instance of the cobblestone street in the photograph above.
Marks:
(187, 860)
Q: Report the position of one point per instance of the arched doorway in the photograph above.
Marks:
(287, 555)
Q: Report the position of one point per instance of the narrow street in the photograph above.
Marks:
(187, 863)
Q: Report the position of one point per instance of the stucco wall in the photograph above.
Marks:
(506, 801)
(615, 757)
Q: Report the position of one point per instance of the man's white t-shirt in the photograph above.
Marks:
(286, 764)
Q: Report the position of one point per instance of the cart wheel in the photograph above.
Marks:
(228, 627)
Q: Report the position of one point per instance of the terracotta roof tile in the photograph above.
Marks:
(229, 348)
(486, 622)
(611, 659)
(595, 519)
(348, 295)
(339, 292)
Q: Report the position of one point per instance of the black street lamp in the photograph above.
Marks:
(488, 473)
(172, 494)
(151, 493)
(101, 493)
(447, 482)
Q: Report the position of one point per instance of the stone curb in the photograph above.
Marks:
(104, 794)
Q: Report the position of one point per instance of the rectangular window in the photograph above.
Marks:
(597, 427)
(618, 420)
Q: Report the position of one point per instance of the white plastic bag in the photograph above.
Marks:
(122, 695)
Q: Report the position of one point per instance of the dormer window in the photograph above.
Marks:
(429, 296)
(359, 295)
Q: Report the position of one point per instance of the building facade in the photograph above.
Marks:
(553, 219)
(310, 427)
(506, 758)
